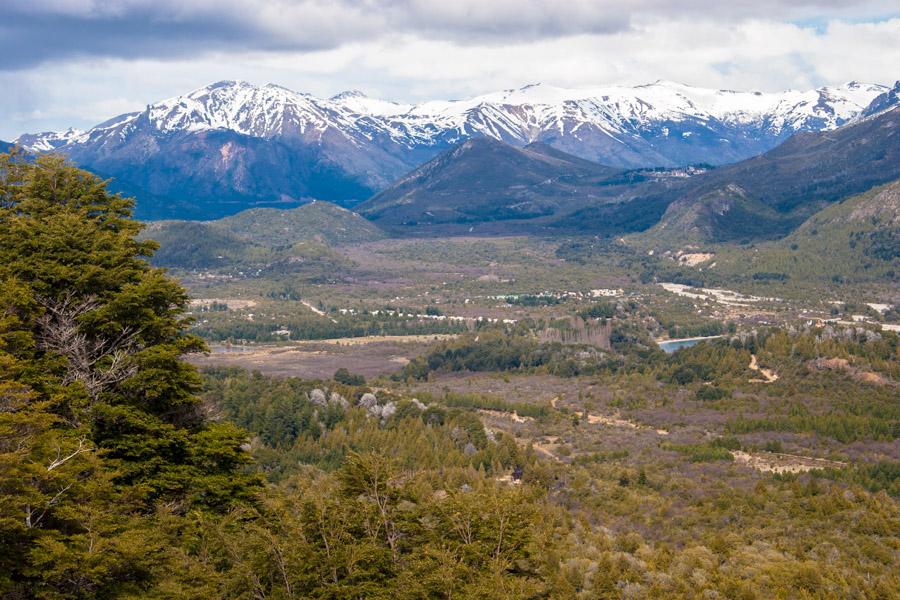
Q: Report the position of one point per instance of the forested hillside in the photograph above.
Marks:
(855, 240)
(505, 460)
(260, 238)
(320, 221)
(117, 480)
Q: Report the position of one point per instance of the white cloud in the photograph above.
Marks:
(410, 66)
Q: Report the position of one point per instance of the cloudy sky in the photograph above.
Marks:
(77, 62)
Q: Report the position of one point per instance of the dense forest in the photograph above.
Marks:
(125, 473)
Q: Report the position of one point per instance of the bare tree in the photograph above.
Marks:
(97, 362)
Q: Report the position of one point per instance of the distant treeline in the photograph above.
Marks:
(303, 327)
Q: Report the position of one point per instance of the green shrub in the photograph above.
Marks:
(701, 452)
(344, 376)
(710, 393)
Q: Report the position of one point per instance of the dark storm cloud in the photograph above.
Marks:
(26, 40)
(39, 32)
(43, 30)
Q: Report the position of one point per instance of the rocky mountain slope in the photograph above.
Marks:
(885, 101)
(484, 179)
(771, 194)
(856, 239)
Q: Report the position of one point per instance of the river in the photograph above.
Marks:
(670, 346)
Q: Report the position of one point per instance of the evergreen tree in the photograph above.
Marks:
(99, 418)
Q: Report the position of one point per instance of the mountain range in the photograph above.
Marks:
(769, 195)
(232, 145)
(486, 186)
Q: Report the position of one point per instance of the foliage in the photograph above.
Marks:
(298, 421)
(480, 401)
(701, 452)
(305, 325)
(605, 310)
(489, 350)
(711, 393)
(713, 359)
(100, 420)
(533, 300)
(371, 530)
(344, 376)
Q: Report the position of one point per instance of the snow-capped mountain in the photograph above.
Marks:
(884, 102)
(622, 109)
(48, 140)
(241, 143)
(525, 115)
(661, 124)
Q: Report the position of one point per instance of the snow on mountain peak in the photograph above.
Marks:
(242, 107)
(533, 112)
(48, 141)
(348, 94)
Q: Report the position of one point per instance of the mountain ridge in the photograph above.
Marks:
(882, 102)
(483, 179)
(269, 110)
(855, 239)
(771, 194)
(233, 145)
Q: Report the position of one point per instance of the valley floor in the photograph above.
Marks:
(749, 452)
